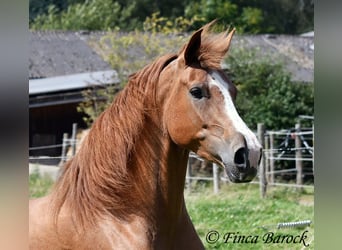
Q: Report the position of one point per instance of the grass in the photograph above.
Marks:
(238, 210)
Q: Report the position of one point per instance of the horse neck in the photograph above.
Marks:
(130, 160)
(155, 168)
(168, 162)
(162, 166)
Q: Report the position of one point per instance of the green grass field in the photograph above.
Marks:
(239, 211)
(237, 218)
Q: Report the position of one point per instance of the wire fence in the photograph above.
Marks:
(290, 151)
(286, 153)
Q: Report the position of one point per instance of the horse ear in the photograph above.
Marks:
(192, 48)
(229, 38)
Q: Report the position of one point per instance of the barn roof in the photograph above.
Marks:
(58, 53)
(297, 52)
(71, 82)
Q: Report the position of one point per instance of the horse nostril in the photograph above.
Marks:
(240, 157)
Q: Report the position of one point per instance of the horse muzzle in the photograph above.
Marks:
(238, 175)
(244, 166)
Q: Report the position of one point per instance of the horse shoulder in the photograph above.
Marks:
(41, 232)
(116, 234)
(106, 235)
(113, 234)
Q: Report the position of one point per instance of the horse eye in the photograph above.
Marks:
(196, 92)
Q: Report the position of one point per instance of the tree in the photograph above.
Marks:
(248, 16)
(91, 15)
(251, 16)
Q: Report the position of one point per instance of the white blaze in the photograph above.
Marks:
(240, 126)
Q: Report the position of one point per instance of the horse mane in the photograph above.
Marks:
(98, 182)
(106, 179)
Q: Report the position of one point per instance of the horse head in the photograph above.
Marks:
(199, 111)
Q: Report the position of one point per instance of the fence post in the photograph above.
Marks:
(299, 163)
(272, 159)
(267, 156)
(216, 178)
(73, 138)
(188, 175)
(262, 174)
(64, 147)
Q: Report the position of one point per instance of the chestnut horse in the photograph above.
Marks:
(124, 187)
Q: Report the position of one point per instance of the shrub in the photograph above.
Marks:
(91, 15)
(39, 185)
(266, 92)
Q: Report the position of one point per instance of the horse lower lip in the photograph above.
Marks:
(238, 176)
(232, 177)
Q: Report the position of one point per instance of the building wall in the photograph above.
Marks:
(47, 125)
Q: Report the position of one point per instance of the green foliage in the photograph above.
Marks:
(213, 9)
(39, 185)
(249, 16)
(246, 19)
(266, 92)
(226, 11)
(158, 24)
(96, 99)
(251, 20)
(91, 15)
(39, 7)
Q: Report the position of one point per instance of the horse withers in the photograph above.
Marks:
(124, 187)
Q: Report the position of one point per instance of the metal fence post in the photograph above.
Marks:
(188, 176)
(216, 178)
(73, 138)
(64, 147)
(271, 154)
(267, 156)
(299, 163)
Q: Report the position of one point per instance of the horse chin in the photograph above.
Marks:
(237, 176)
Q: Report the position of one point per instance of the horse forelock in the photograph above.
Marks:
(104, 179)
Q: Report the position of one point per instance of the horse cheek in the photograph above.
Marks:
(180, 126)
